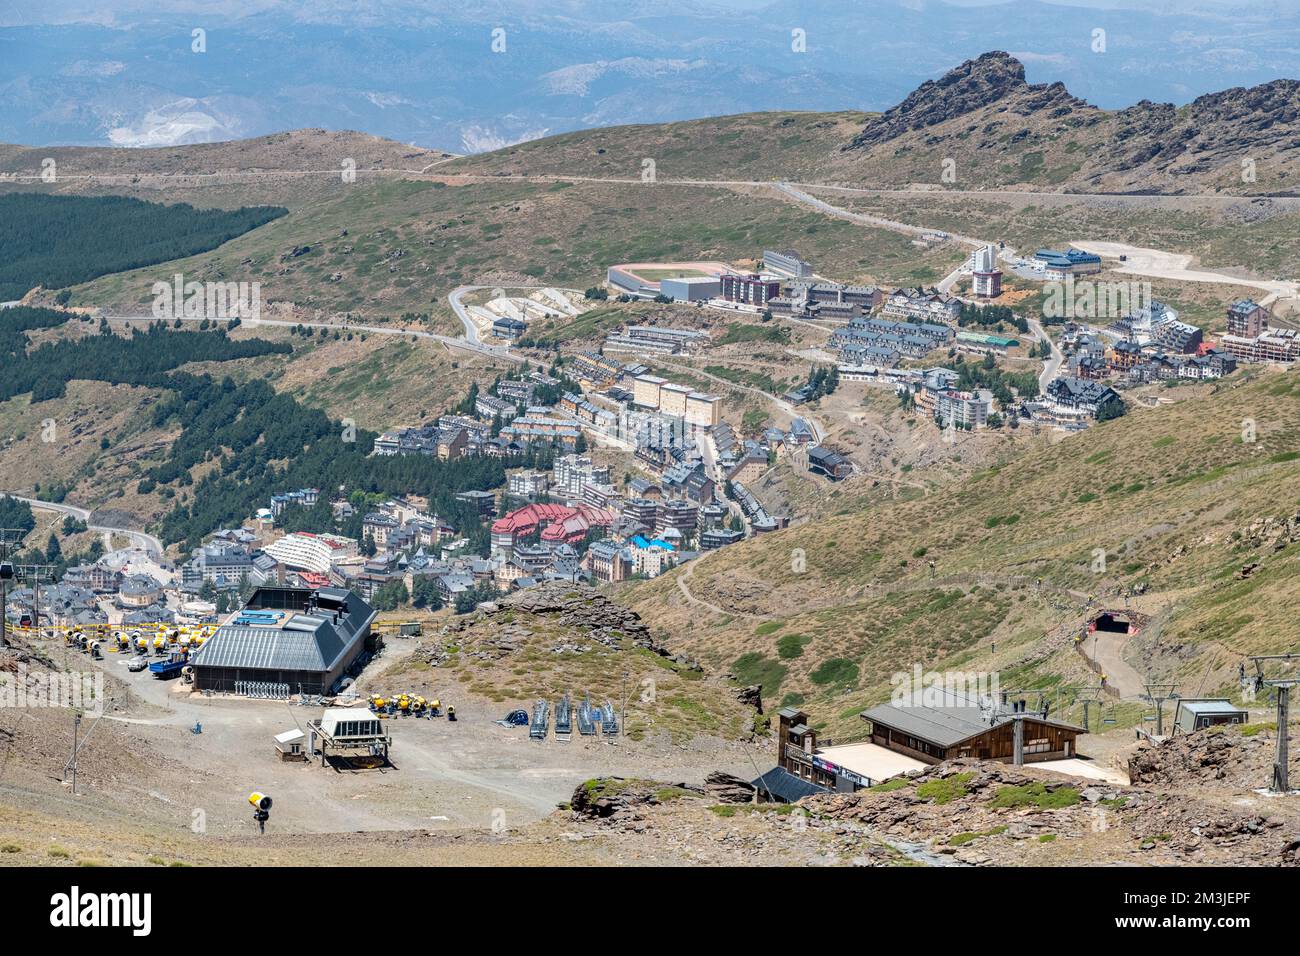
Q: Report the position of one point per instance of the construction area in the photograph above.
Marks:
(495, 313)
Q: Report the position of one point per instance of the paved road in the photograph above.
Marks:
(140, 539)
(466, 320)
(1052, 365)
(1107, 650)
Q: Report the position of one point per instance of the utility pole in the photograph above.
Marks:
(1283, 685)
(9, 537)
(76, 725)
(1156, 695)
(1093, 697)
(1018, 714)
(33, 574)
(623, 717)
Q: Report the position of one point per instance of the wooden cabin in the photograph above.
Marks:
(937, 733)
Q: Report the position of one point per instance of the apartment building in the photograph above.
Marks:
(959, 409)
(1247, 319)
(570, 472)
(750, 289)
(786, 263)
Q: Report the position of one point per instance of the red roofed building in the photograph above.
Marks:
(312, 579)
(558, 523)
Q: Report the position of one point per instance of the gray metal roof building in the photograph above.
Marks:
(779, 785)
(935, 725)
(1196, 714)
(301, 637)
(940, 725)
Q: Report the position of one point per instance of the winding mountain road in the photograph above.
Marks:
(466, 320)
(140, 539)
(1053, 364)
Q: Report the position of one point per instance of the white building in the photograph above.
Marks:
(312, 552)
(986, 278)
(964, 409)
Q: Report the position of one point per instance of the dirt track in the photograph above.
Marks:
(1176, 266)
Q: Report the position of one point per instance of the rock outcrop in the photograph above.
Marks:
(609, 797)
(992, 78)
(577, 609)
(994, 128)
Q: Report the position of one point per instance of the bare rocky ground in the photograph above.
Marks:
(150, 787)
(151, 792)
(1185, 812)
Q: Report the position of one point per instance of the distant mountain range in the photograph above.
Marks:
(426, 73)
(981, 125)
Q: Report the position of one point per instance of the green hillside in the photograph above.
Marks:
(1172, 496)
(746, 146)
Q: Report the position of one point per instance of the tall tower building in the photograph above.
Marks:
(986, 278)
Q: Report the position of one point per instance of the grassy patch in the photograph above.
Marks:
(961, 839)
(755, 668)
(837, 671)
(728, 810)
(790, 646)
(743, 332)
(946, 789)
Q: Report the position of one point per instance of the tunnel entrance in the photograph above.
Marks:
(1117, 622)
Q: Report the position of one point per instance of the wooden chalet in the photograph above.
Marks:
(959, 729)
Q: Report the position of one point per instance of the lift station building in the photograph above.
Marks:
(300, 637)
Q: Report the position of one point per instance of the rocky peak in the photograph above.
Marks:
(976, 83)
(993, 79)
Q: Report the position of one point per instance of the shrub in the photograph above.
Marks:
(837, 671)
(790, 646)
(1035, 795)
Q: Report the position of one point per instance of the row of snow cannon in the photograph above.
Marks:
(408, 705)
(95, 642)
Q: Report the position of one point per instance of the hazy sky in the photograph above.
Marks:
(422, 71)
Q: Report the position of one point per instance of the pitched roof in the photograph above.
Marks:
(945, 725)
(313, 641)
(785, 786)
